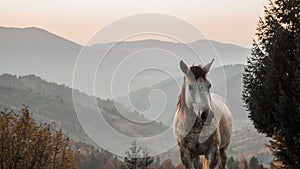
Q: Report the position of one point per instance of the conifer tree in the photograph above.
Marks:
(146, 159)
(137, 158)
(254, 164)
(272, 80)
(246, 164)
(132, 159)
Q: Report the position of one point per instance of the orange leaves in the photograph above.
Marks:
(24, 144)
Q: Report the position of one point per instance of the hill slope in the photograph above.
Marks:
(52, 102)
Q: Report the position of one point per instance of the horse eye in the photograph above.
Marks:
(190, 87)
(209, 85)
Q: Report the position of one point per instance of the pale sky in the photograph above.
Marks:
(228, 21)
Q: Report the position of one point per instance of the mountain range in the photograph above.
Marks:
(99, 67)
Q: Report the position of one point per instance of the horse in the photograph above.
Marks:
(203, 122)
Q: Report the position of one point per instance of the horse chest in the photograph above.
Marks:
(191, 142)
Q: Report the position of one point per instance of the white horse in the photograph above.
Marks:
(203, 122)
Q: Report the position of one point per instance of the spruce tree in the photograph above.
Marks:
(146, 159)
(246, 164)
(132, 159)
(232, 163)
(137, 158)
(272, 80)
(157, 163)
(254, 164)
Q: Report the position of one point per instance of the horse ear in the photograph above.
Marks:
(206, 68)
(184, 68)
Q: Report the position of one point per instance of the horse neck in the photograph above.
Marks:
(181, 106)
(186, 115)
(182, 96)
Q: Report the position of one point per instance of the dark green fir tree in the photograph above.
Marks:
(272, 80)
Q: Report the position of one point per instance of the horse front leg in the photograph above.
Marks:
(186, 158)
(213, 159)
(197, 162)
(223, 156)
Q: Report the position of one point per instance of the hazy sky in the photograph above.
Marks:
(231, 21)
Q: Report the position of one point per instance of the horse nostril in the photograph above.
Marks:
(204, 114)
(207, 116)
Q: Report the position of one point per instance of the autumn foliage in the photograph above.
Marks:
(167, 164)
(25, 144)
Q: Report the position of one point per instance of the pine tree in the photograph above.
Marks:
(232, 163)
(272, 80)
(246, 164)
(254, 164)
(132, 159)
(135, 159)
(157, 163)
(237, 164)
(146, 159)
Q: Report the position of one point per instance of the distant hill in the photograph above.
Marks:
(51, 102)
(231, 89)
(229, 53)
(36, 51)
(226, 81)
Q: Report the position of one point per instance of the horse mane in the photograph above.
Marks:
(181, 96)
(178, 105)
(198, 72)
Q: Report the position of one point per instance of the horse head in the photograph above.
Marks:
(196, 92)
